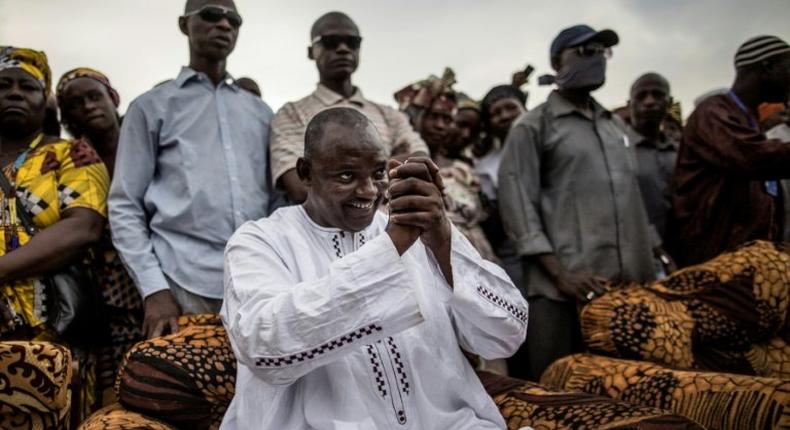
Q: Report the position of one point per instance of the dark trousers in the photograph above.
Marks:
(552, 333)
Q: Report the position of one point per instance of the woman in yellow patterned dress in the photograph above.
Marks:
(63, 185)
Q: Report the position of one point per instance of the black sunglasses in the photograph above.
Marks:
(212, 13)
(332, 41)
(592, 49)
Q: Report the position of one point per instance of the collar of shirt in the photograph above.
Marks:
(330, 98)
(663, 144)
(188, 74)
(560, 106)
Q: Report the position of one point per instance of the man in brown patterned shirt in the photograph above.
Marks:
(725, 187)
(335, 44)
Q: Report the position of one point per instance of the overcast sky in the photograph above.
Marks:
(137, 42)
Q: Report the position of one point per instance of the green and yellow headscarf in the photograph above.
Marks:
(33, 62)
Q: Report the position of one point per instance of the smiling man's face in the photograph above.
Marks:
(346, 177)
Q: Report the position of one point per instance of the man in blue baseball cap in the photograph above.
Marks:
(570, 200)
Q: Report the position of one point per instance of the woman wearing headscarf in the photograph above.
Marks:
(498, 110)
(88, 105)
(469, 126)
(61, 184)
(431, 105)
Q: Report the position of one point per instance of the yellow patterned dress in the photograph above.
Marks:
(49, 179)
(54, 177)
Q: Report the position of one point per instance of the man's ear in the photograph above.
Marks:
(182, 25)
(303, 170)
(310, 53)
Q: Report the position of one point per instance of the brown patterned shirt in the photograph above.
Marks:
(718, 188)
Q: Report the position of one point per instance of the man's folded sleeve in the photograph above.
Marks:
(520, 191)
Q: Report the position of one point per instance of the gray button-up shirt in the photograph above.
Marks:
(568, 186)
(191, 168)
(656, 162)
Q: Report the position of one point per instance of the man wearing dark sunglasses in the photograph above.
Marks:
(335, 44)
(191, 168)
(570, 199)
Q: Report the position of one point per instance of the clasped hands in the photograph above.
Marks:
(416, 207)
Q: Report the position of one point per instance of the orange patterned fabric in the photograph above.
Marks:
(115, 417)
(186, 379)
(527, 404)
(34, 378)
(728, 314)
(715, 400)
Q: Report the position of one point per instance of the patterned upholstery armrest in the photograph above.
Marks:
(525, 404)
(715, 400)
(186, 379)
(726, 315)
(115, 417)
(34, 385)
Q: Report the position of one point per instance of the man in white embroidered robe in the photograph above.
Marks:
(342, 317)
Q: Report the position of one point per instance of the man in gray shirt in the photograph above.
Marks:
(570, 200)
(655, 153)
(191, 168)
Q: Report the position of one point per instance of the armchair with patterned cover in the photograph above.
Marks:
(35, 386)
(186, 381)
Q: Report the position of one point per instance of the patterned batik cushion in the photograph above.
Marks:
(525, 404)
(186, 379)
(723, 315)
(115, 417)
(34, 379)
(715, 400)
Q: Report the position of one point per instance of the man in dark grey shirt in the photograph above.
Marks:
(570, 200)
(655, 152)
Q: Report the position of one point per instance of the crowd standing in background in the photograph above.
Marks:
(426, 234)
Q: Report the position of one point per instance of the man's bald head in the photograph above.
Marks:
(651, 78)
(331, 19)
(344, 168)
(193, 5)
(358, 129)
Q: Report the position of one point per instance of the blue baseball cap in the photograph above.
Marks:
(580, 34)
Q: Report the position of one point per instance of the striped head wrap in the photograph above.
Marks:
(86, 72)
(760, 48)
(428, 91)
(32, 62)
(466, 102)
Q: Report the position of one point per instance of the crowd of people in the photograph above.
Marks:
(341, 230)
